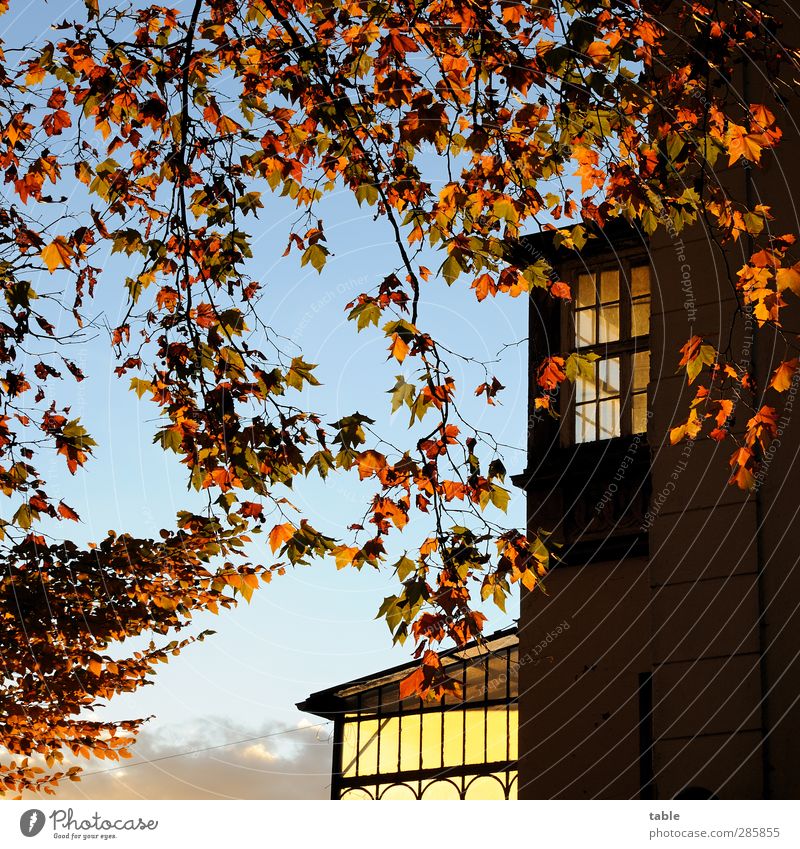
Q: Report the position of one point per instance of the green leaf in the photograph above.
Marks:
(580, 364)
(170, 438)
(504, 208)
(402, 393)
(140, 386)
(365, 314)
(404, 567)
(322, 461)
(497, 470)
(300, 371)
(24, 516)
(451, 268)
(500, 497)
(367, 192)
(77, 433)
(315, 254)
(705, 357)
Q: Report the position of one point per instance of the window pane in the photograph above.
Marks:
(640, 281)
(441, 790)
(609, 324)
(513, 723)
(639, 424)
(453, 738)
(609, 286)
(640, 318)
(585, 423)
(390, 697)
(584, 328)
(368, 751)
(356, 794)
(390, 745)
(432, 740)
(476, 682)
(609, 377)
(586, 290)
(641, 370)
(499, 673)
(370, 698)
(398, 791)
(409, 742)
(485, 787)
(497, 735)
(514, 673)
(349, 747)
(475, 734)
(585, 390)
(609, 419)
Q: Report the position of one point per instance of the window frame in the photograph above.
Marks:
(625, 347)
(380, 704)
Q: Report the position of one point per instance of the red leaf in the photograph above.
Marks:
(67, 512)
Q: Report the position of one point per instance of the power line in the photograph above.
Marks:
(206, 749)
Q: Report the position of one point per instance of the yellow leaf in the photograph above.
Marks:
(344, 555)
(789, 278)
(676, 434)
(58, 252)
(691, 429)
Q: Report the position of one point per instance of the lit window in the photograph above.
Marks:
(611, 319)
(466, 748)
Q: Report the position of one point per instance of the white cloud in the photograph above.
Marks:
(259, 752)
(288, 766)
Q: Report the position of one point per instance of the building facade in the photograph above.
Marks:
(679, 674)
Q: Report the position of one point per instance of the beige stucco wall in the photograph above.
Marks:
(714, 612)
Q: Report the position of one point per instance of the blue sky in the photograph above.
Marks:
(314, 626)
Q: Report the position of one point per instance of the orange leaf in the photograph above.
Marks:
(67, 512)
(560, 289)
(251, 509)
(484, 286)
(370, 463)
(453, 490)
(398, 349)
(744, 144)
(782, 378)
(597, 51)
(279, 535)
(205, 315)
(428, 547)
(551, 373)
(740, 462)
(413, 684)
(58, 252)
(167, 298)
